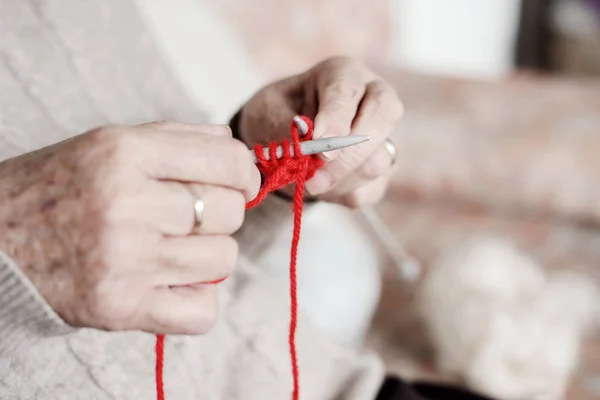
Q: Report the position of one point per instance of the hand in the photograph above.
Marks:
(345, 98)
(101, 223)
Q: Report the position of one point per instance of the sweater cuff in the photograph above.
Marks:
(25, 317)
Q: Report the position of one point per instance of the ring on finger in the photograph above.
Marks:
(198, 212)
(391, 148)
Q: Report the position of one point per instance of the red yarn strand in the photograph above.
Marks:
(298, 206)
(160, 361)
(277, 173)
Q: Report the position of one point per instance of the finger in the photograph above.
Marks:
(182, 310)
(165, 206)
(169, 208)
(224, 209)
(377, 117)
(196, 259)
(376, 166)
(339, 91)
(369, 194)
(197, 158)
(173, 126)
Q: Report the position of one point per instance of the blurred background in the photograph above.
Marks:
(501, 135)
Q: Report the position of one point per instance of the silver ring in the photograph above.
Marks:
(198, 213)
(391, 148)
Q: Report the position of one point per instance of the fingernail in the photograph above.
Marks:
(330, 155)
(319, 183)
(301, 125)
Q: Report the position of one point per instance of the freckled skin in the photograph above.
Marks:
(52, 226)
(102, 223)
(102, 239)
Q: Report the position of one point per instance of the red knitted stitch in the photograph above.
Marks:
(278, 173)
(160, 353)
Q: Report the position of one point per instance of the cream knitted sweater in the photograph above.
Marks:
(66, 67)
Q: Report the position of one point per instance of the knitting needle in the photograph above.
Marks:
(317, 146)
(408, 266)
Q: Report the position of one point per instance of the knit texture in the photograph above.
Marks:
(65, 68)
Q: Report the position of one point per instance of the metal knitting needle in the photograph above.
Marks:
(408, 266)
(317, 146)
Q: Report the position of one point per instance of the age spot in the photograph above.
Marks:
(48, 205)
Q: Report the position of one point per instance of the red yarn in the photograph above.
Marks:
(160, 353)
(278, 172)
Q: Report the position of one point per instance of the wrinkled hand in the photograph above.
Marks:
(345, 98)
(101, 224)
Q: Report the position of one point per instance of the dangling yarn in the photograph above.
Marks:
(277, 173)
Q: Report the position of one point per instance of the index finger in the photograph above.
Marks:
(377, 115)
(339, 91)
(198, 158)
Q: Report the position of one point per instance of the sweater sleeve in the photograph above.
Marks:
(25, 317)
(262, 224)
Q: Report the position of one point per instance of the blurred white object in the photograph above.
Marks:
(339, 278)
(502, 325)
(467, 38)
(210, 62)
(338, 267)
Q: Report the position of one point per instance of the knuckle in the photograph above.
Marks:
(343, 90)
(237, 163)
(374, 167)
(334, 127)
(239, 149)
(350, 160)
(108, 134)
(387, 104)
(237, 210)
(224, 130)
(355, 200)
(120, 144)
(340, 61)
